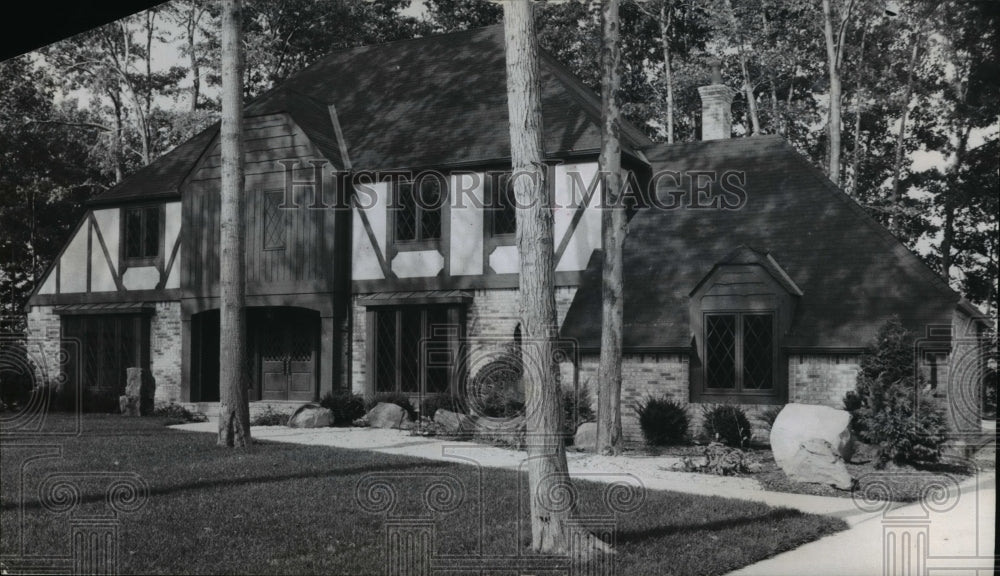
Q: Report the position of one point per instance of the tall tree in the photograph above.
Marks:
(234, 406)
(548, 475)
(834, 32)
(613, 228)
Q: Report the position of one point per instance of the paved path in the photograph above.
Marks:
(959, 529)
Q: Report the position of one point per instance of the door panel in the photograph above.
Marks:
(287, 344)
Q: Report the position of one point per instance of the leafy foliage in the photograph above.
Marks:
(269, 417)
(576, 410)
(889, 406)
(346, 407)
(663, 421)
(726, 423)
(175, 411)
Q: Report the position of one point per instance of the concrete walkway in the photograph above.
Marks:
(958, 528)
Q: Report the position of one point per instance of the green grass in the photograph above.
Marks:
(292, 509)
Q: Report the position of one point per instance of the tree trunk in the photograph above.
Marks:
(904, 114)
(192, 31)
(552, 529)
(835, 92)
(613, 222)
(859, 103)
(234, 408)
(666, 19)
(950, 204)
(747, 85)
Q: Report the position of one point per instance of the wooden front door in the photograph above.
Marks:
(287, 343)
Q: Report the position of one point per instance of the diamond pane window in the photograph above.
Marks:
(720, 351)
(413, 349)
(758, 343)
(417, 210)
(274, 221)
(504, 207)
(739, 352)
(142, 233)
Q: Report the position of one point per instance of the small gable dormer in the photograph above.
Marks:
(739, 313)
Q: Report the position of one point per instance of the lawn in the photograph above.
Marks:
(292, 509)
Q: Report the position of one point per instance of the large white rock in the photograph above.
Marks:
(388, 415)
(311, 415)
(586, 437)
(453, 422)
(810, 443)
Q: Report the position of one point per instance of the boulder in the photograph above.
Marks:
(311, 415)
(453, 423)
(387, 415)
(811, 443)
(129, 403)
(586, 437)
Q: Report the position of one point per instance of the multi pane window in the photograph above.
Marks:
(274, 220)
(413, 350)
(503, 208)
(739, 352)
(418, 210)
(142, 233)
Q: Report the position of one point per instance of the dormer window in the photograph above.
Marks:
(739, 312)
(417, 211)
(142, 238)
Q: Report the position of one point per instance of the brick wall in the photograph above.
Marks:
(821, 379)
(165, 352)
(359, 350)
(43, 343)
(642, 375)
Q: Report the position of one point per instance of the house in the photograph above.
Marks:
(380, 251)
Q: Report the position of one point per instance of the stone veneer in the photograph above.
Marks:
(43, 343)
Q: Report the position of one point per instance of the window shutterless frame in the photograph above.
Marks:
(141, 237)
(418, 222)
(740, 353)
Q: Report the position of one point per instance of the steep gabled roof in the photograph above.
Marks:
(427, 102)
(853, 275)
(163, 177)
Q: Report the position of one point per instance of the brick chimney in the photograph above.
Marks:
(716, 107)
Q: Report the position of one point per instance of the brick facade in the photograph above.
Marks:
(822, 379)
(43, 344)
(165, 351)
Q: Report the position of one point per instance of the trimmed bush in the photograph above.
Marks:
(398, 398)
(770, 414)
(431, 404)
(889, 407)
(346, 407)
(662, 420)
(728, 424)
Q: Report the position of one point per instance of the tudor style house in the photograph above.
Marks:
(380, 249)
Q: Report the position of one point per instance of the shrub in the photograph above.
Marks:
(16, 378)
(175, 411)
(726, 423)
(269, 417)
(662, 420)
(889, 408)
(431, 404)
(398, 398)
(495, 389)
(346, 407)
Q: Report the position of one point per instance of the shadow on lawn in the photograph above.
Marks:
(243, 481)
(636, 536)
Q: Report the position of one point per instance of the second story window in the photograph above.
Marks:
(417, 210)
(142, 234)
(502, 207)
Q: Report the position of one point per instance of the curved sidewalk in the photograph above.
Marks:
(956, 532)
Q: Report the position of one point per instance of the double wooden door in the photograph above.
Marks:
(287, 342)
